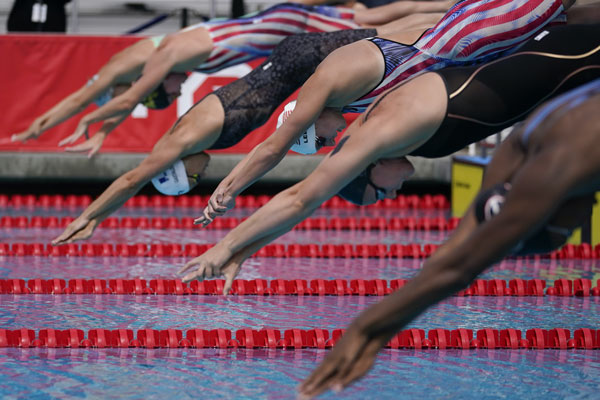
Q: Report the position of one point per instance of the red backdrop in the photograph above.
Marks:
(39, 71)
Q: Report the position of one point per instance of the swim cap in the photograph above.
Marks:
(307, 143)
(158, 99)
(489, 203)
(354, 192)
(173, 181)
(103, 97)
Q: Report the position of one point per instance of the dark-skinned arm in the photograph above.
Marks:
(543, 180)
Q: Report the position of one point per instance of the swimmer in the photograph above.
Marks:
(353, 76)
(432, 115)
(206, 47)
(372, 12)
(220, 120)
(548, 170)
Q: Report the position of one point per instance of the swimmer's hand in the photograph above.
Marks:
(82, 129)
(349, 360)
(92, 145)
(33, 132)
(203, 267)
(220, 202)
(79, 229)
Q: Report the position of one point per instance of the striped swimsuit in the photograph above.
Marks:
(473, 31)
(241, 40)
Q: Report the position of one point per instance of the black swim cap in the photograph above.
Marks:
(489, 203)
(354, 192)
(158, 99)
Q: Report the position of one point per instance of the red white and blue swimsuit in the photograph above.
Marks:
(473, 31)
(244, 39)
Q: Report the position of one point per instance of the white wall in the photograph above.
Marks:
(111, 17)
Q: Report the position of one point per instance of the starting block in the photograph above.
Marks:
(467, 175)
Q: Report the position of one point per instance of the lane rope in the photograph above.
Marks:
(463, 339)
(293, 250)
(429, 202)
(293, 287)
(319, 223)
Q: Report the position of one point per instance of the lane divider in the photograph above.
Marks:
(293, 287)
(321, 223)
(294, 250)
(429, 202)
(538, 339)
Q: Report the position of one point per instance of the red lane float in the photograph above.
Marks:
(428, 202)
(321, 223)
(463, 339)
(284, 287)
(293, 250)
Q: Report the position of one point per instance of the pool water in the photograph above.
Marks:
(275, 373)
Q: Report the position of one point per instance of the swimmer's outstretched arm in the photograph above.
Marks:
(366, 140)
(333, 84)
(543, 180)
(123, 68)
(183, 139)
(120, 191)
(179, 52)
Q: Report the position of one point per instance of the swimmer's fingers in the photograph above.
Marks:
(190, 264)
(357, 367)
(23, 136)
(83, 234)
(203, 271)
(208, 216)
(92, 146)
(70, 232)
(230, 272)
(202, 221)
(216, 206)
(319, 381)
(82, 129)
(7, 140)
(351, 358)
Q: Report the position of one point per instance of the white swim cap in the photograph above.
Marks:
(307, 142)
(103, 97)
(173, 181)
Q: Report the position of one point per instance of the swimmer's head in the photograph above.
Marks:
(322, 133)
(182, 176)
(380, 180)
(555, 233)
(166, 92)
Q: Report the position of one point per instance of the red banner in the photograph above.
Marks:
(39, 71)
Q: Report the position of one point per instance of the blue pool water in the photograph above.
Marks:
(274, 374)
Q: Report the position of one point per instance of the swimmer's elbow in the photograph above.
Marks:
(305, 201)
(130, 181)
(126, 103)
(270, 153)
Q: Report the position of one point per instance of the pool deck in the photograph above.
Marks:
(108, 166)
